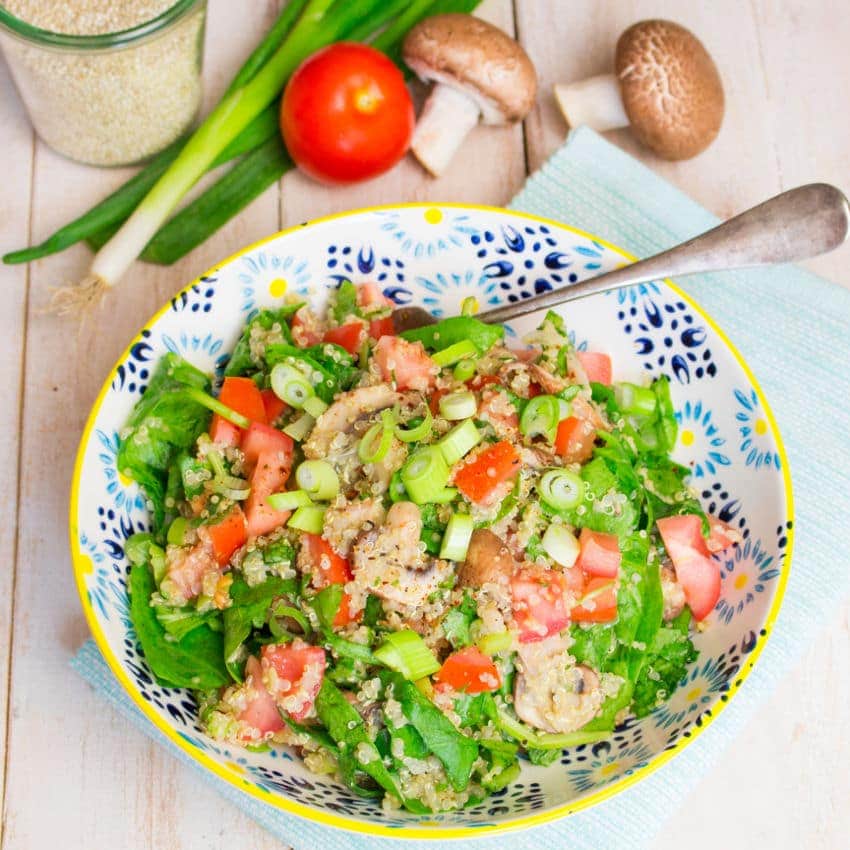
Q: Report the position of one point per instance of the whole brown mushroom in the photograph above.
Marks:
(666, 86)
(479, 72)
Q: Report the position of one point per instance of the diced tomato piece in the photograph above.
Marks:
(405, 363)
(597, 366)
(243, 396)
(381, 327)
(224, 432)
(228, 534)
(469, 670)
(329, 568)
(696, 570)
(575, 439)
(534, 390)
(722, 535)
(260, 712)
(600, 606)
(369, 293)
(305, 328)
(298, 672)
(600, 553)
(576, 580)
(263, 438)
(269, 476)
(275, 407)
(349, 336)
(480, 476)
(539, 603)
(434, 401)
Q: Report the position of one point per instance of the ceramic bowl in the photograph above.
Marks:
(435, 256)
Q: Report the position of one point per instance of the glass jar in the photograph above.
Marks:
(114, 98)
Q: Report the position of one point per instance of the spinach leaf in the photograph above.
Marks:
(178, 622)
(241, 362)
(666, 662)
(455, 750)
(457, 621)
(594, 645)
(475, 710)
(374, 611)
(332, 364)
(196, 661)
(620, 517)
(248, 611)
(542, 757)
(163, 422)
(326, 604)
(456, 329)
(344, 301)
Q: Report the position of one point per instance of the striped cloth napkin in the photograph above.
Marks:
(596, 186)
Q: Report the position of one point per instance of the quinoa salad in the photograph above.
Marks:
(418, 560)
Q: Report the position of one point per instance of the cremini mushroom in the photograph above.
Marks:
(479, 73)
(665, 85)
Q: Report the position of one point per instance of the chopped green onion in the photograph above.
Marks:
(418, 432)
(177, 531)
(460, 405)
(495, 642)
(425, 475)
(290, 385)
(406, 653)
(318, 478)
(532, 739)
(289, 500)
(541, 416)
(232, 493)
(631, 398)
(376, 442)
(459, 441)
(309, 518)
(565, 409)
(560, 545)
(456, 538)
(464, 370)
(397, 490)
(561, 489)
(216, 406)
(446, 495)
(314, 406)
(299, 428)
(469, 306)
(455, 353)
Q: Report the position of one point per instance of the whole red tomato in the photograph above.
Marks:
(346, 114)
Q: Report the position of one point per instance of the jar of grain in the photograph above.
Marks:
(106, 83)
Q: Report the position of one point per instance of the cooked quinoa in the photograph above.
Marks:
(462, 573)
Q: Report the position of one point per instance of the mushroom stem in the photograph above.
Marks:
(595, 102)
(448, 115)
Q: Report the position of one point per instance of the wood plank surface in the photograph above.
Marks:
(76, 775)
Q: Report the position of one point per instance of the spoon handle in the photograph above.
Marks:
(793, 226)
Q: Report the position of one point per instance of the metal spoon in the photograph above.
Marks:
(793, 226)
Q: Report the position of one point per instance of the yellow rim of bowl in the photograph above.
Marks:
(436, 831)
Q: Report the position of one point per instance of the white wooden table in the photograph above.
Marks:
(74, 775)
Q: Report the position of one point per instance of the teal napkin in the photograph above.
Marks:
(792, 328)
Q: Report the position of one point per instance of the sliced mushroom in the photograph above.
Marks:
(552, 693)
(488, 561)
(666, 86)
(479, 71)
(390, 562)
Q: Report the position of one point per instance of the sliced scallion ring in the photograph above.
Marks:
(290, 385)
(446, 495)
(289, 500)
(561, 489)
(541, 416)
(318, 478)
(459, 441)
(376, 442)
(425, 475)
(456, 538)
(495, 642)
(397, 490)
(455, 353)
(631, 398)
(310, 518)
(406, 653)
(299, 428)
(177, 531)
(460, 405)
(560, 545)
(314, 406)
(464, 370)
(417, 432)
(469, 306)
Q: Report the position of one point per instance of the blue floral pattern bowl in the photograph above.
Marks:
(437, 255)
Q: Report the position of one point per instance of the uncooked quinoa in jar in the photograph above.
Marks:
(104, 82)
